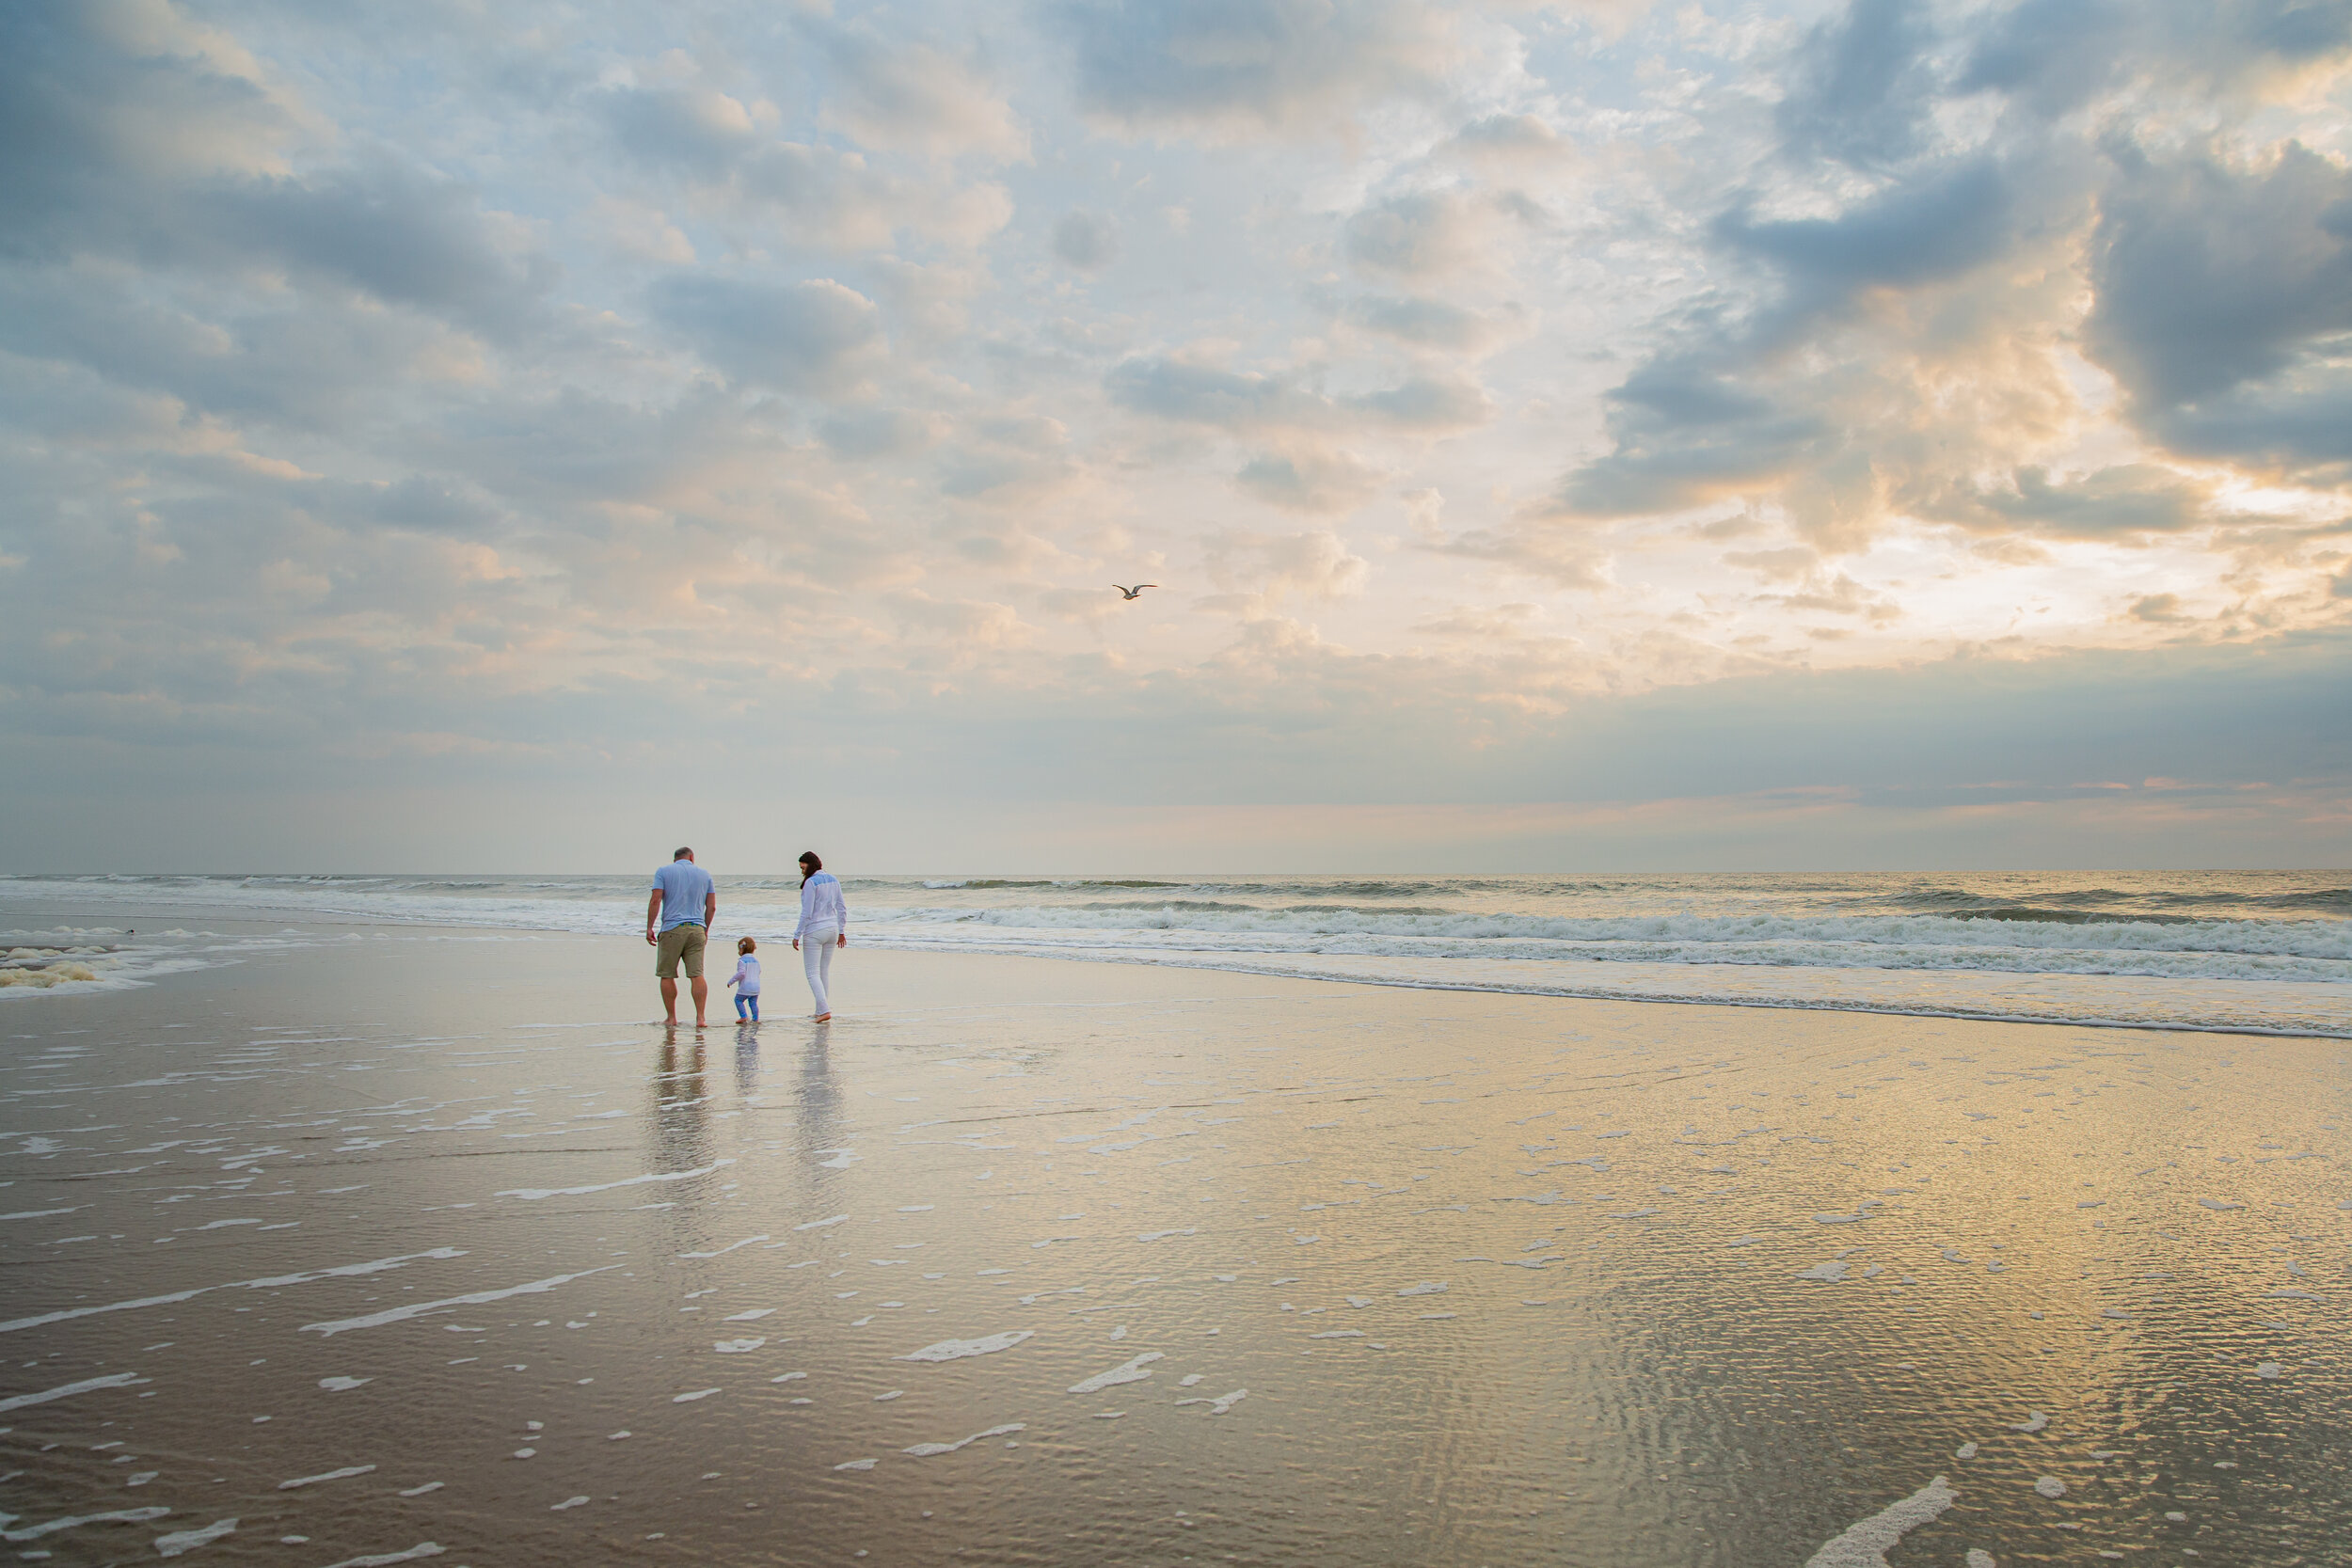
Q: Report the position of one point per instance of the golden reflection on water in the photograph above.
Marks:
(1415, 1278)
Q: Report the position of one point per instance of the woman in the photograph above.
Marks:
(825, 925)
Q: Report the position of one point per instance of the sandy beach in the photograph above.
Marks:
(396, 1243)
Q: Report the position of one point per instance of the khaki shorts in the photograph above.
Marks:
(680, 941)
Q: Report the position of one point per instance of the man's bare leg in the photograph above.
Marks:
(702, 1000)
(668, 1000)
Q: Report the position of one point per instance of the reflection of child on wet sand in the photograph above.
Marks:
(746, 977)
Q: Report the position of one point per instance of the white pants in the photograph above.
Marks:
(816, 945)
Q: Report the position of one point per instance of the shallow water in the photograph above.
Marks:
(2268, 951)
(418, 1241)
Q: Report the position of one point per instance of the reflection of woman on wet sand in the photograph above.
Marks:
(824, 925)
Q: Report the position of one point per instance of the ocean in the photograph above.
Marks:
(358, 1221)
(2246, 951)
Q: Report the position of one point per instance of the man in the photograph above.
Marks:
(677, 927)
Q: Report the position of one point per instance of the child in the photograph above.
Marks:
(746, 976)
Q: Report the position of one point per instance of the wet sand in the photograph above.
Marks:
(428, 1244)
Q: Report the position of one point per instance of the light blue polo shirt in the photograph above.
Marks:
(685, 887)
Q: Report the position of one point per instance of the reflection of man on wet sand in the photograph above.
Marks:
(677, 927)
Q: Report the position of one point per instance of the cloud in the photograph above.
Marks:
(1552, 550)
(814, 335)
(1684, 432)
(2219, 289)
(1204, 394)
(1305, 478)
(1249, 401)
(1837, 594)
(865, 432)
(1260, 572)
(1929, 228)
(445, 406)
(1235, 68)
(902, 93)
(136, 135)
(1862, 84)
(1085, 240)
(108, 102)
(1427, 403)
(737, 168)
(1422, 235)
(692, 129)
(2052, 54)
(386, 228)
(1432, 323)
(2116, 504)
(1507, 139)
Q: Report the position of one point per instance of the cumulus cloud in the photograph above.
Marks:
(1860, 86)
(812, 335)
(1256, 400)
(1260, 572)
(1430, 324)
(896, 92)
(2115, 503)
(2219, 290)
(1422, 235)
(738, 166)
(1307, 479)
(1237, 67)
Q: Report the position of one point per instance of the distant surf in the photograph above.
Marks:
(2265, 951)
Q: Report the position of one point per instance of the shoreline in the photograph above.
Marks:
(1321, 969)
(1083, 1264)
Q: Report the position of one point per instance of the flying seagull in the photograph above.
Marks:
(1131, 593)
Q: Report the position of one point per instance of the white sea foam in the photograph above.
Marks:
(275, 1282)
(344, 1474)
(75, 1521)
(397, 1314)
(533, 1195)
(188, 1540)
(1126, 1372)
(1222, 1404)
(954, 1349)
(1867, 1543)
(385, 1560)
(924, 1451)
(88, 1385)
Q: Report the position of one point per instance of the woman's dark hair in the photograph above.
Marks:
(809, 862)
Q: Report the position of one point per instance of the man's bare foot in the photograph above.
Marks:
(822, 1018)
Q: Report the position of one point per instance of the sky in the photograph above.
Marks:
(1582, 435)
